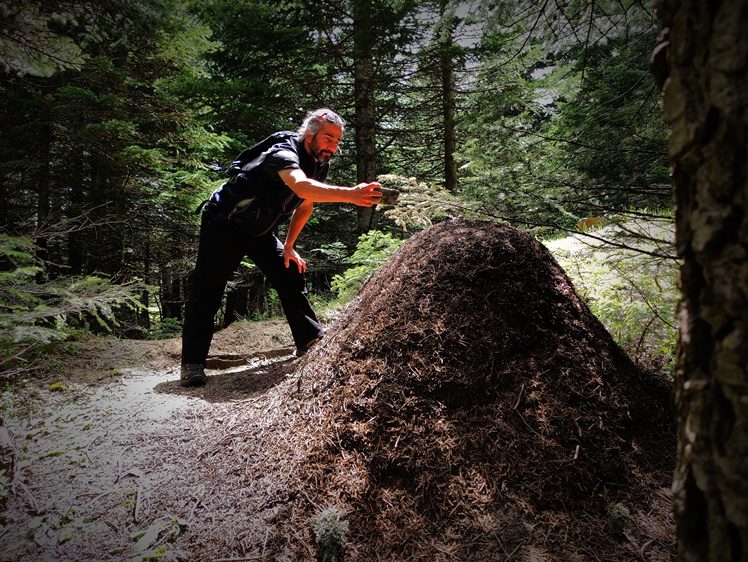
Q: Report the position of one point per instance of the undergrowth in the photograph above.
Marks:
(632, 293)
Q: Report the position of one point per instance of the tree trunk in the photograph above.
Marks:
(363, 87)
(170, 297)
(448, 104)
(43, 193)
(75, 238)
(706, 104)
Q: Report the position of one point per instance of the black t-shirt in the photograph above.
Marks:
(256, 196)
(291, 155)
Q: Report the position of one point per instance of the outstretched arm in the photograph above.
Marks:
(363, 195)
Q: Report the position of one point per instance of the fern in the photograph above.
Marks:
(34, 309)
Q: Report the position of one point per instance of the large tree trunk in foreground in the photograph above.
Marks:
(706, 103)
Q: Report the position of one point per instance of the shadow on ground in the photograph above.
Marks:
(236, 383)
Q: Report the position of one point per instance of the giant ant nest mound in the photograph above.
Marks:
(468, 406)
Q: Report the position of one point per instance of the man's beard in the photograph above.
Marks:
(322, 156)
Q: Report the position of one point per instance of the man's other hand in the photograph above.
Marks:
(291, 255)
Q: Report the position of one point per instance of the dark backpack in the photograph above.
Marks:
(242, 201)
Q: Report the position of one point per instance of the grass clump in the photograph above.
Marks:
(58, 386)
(166, 329)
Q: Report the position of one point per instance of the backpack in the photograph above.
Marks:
(243, 202)
(251, 157)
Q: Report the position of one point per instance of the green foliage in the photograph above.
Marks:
(166, 329)
(564, 128)
(34, 41)
(374, 248)
(36, 309)
(420, 204)
(258, 48)
(632, 293)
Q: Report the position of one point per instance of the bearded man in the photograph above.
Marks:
(287, 179)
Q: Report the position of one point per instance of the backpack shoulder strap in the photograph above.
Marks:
(251, 157)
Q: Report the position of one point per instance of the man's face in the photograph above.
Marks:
(324, 144)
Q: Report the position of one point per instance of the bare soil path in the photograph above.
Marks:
(108, 446)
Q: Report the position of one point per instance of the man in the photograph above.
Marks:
(292, 171)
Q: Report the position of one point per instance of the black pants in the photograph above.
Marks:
(220, 252)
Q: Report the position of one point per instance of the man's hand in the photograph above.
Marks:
(366, 194)
(289, 255)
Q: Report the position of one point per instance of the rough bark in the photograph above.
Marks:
(363, 87)
(448, 109)
(43, 194)
(705, 88)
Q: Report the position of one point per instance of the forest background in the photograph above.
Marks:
(119, 117)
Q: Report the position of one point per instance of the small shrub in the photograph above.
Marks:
(619, 518)
(373, 249)
(329, 531)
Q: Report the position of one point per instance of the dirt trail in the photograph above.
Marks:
(108, 445)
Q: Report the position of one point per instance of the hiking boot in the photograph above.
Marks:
(302, 349)
(193, 375)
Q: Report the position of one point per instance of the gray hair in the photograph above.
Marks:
(315, 119)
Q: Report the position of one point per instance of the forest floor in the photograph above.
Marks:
(106, 429)
(493, 419)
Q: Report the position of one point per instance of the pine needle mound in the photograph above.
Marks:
(468, 406)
